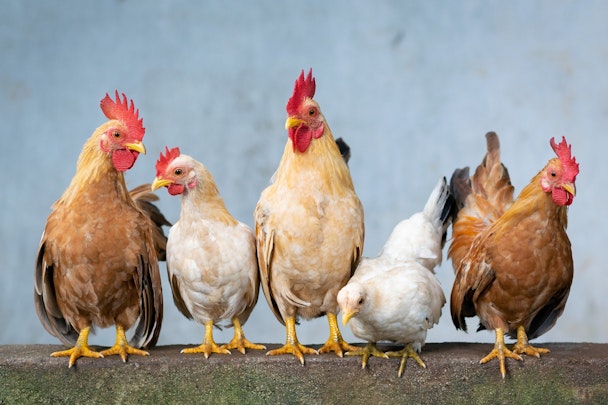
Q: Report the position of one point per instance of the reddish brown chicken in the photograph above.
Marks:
(512, 258)
(97, 263)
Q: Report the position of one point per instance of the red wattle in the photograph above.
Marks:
(300, 137)
(124, 159)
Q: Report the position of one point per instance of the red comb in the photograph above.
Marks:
(122, 111)
(304, 87)
(564, 153)
(163, 161)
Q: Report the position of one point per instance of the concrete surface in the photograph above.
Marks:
(570, 374)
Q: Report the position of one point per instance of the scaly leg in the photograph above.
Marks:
(407, 351)
(292, 346)
(239, 341)
(335, 343)
(208, 346)
(122, 347)
(370, 349)
(500, 351)
(80, 349)
(523, 347)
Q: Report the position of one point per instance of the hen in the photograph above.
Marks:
(309, 225)
(97, 262)
(512, 259)
(211, 257)
(395, 296)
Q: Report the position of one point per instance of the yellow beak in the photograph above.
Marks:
(569, 187)
(158, 183)
(136, 146)
(293, 122)
(347, 315)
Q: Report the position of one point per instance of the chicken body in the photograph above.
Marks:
(395, 296)
(211, 258)
(97, 263)
(513, 259)
(309, 226)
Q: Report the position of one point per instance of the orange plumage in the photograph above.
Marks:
(97, 262)
(512, 258)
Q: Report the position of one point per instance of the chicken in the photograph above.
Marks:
(97, 262)
(512, 259)
(395, 296)
(309, 226)
(211, 258)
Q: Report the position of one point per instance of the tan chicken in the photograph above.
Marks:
(309, 225)
(512, 258)
(211, 258)
(97, 262)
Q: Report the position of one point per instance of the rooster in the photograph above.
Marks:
(309, 225)
(97, 263)
(395, 296)
(512, 258)
(211, 258)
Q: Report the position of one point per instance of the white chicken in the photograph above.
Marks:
(395, 296)
(211, 257)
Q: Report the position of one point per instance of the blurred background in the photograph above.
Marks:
(412, 86)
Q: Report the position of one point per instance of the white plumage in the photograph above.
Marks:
(395, 296)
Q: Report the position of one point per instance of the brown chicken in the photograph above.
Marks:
(309, 225)
(513, 259)
(97, 263)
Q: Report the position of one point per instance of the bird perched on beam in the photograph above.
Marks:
(211, 259)
(395, 296)
(97, 262)
(512, 258)
(309, 225)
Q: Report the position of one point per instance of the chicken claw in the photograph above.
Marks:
(208, 346)
(523, 347)
(239, 341)
(501, 352)
(80, 349)
(407, 351)
(335, 343)
(292, 346)
(370, 349)
(122, 347)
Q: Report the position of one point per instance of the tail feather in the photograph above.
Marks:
(480, 199)
(143, 197)
(440, 208)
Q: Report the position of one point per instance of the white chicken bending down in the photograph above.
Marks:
(395, 296)
(211, 257)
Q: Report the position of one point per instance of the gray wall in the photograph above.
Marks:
(412, 86)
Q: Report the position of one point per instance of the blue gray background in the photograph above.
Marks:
(412, 86)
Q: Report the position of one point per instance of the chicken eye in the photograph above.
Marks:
(553, 174)
(360, 301)
(312, 112)
(116, 134)
(178, 172)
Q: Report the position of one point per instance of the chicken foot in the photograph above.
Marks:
(335, 343)
(208, 346)
(239, 341)
(370, 349)
(407, 351)
(80, 349)
(122, 347)
(292, 346)
(501, 352)
(524, 347)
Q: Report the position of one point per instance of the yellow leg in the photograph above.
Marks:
(335, 343)
(523, 347)
(208, 346)
(501, 352)
(407, 351)
(292, 346)
(80, 349)
(239, 341)
(370, 349)
(122, 347)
